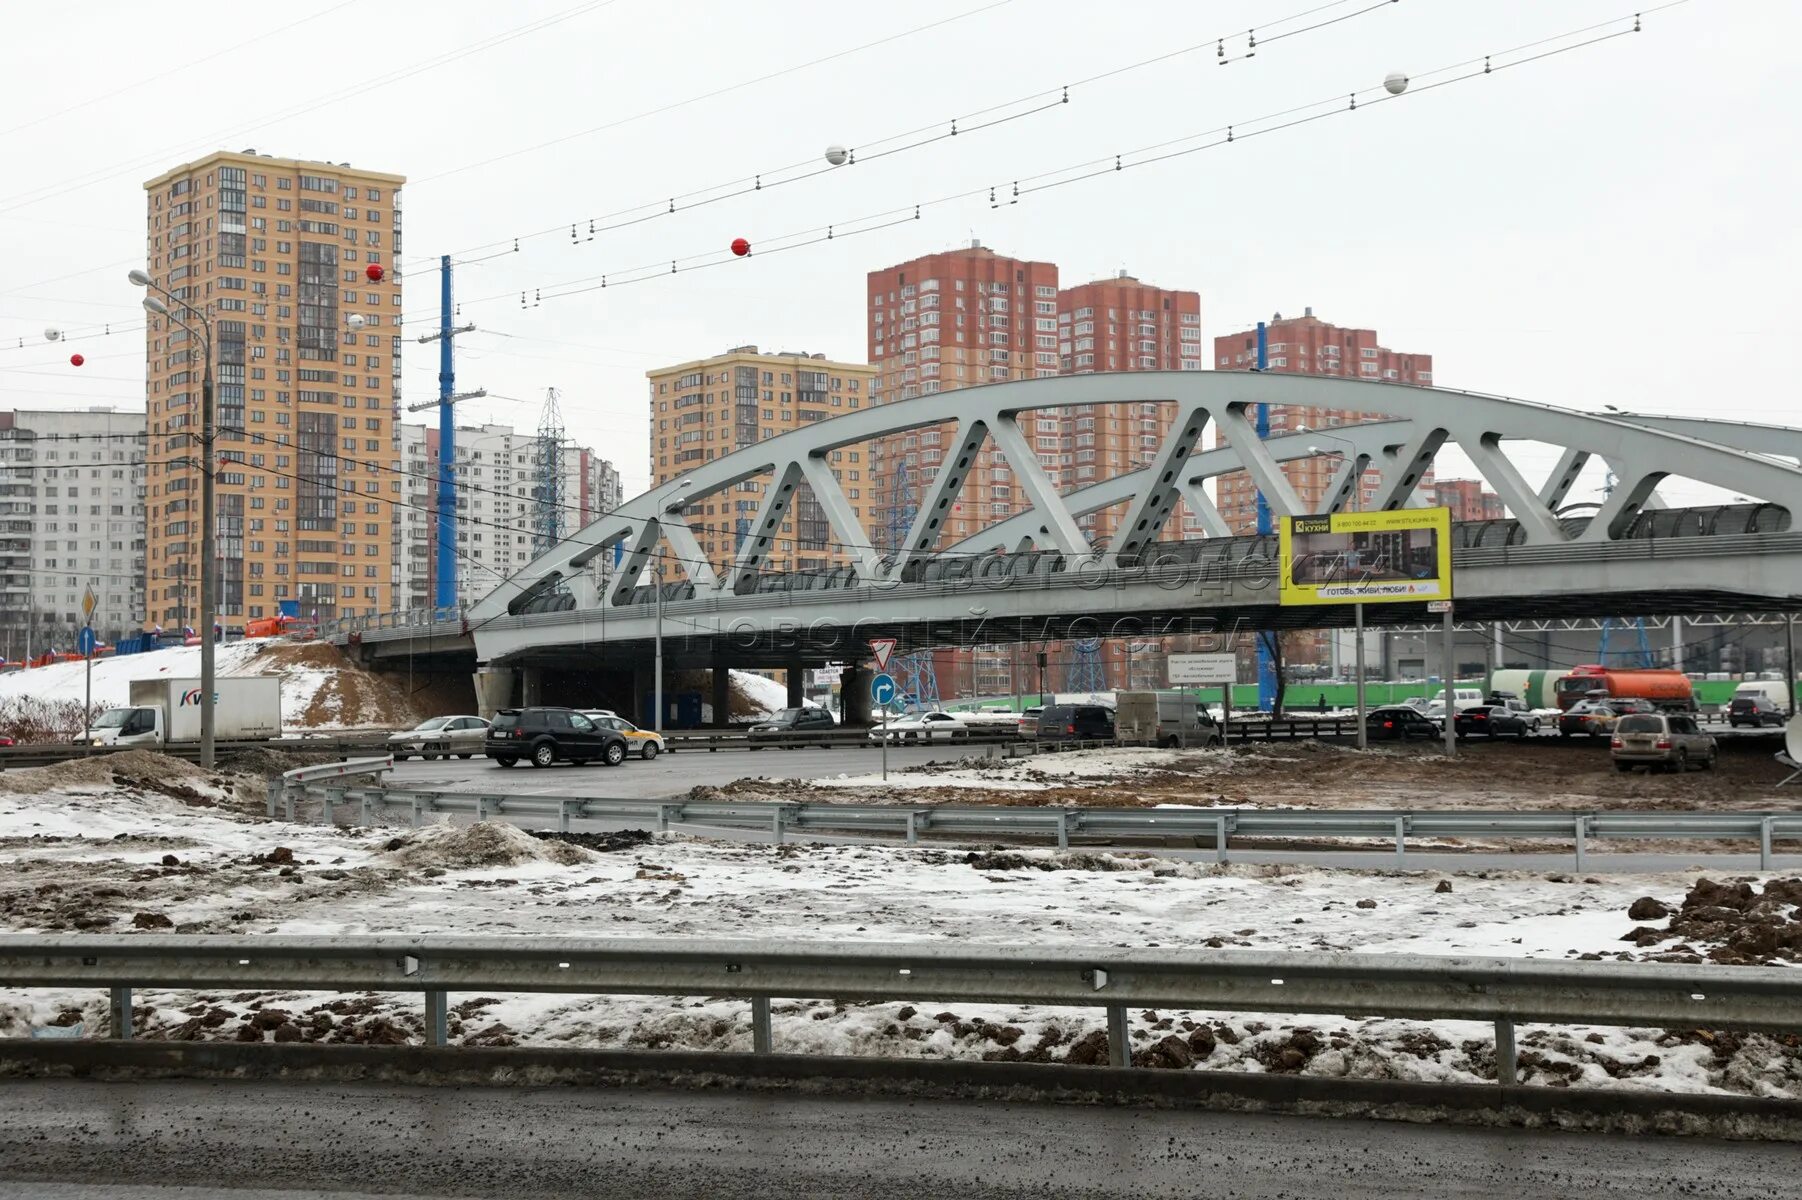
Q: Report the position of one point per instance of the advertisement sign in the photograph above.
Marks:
(1400, 556)
(1203, 670)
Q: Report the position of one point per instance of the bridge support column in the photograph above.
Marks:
(494, 689)
(854, 696)
(531, 686)
(722, 692)
(797, 678)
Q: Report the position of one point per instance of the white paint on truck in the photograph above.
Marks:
(168, 710)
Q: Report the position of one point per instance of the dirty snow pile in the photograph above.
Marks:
(170, 854)
(1039, 772)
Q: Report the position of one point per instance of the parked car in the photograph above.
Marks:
(440, 737)
(1494, 720)
(550, 735)
(1754, 708)
(791, 721)
(1075, 723)
(1590, 717)
(648, 743)
(1399, 723)
(922, 727)
(1029, 721)
(1670, 740)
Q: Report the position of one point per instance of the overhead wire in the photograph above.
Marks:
(1042, 100)
(1007, 192)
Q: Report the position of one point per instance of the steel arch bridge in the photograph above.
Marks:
(1037, 575)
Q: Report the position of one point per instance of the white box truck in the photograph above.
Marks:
(163, 711)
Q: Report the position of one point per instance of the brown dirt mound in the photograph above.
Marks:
(130, 768)
(1735, 924)
(484, 844)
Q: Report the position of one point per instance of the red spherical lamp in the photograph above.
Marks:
(374, 271)
(75, 360)
(740, 247)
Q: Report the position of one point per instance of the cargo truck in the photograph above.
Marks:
(1158, 719)
(1669, 690)
(166, 711)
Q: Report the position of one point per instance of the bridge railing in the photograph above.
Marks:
(1499, 990)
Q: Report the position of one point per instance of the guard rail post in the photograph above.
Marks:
(418, 818)
(1505, 1064)
(1220, 839)
(119, 1010)
(1063, 829)
(1764, 844)
(437, 1018)
(563, 807)
(325, 807)
(760, 1024)
(1582, 831)
(366, 811)
(1119, 1044)
(1401, 841)
(776, 823)
(663, 820)
(482, 808)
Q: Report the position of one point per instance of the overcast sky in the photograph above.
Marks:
(1613, 225)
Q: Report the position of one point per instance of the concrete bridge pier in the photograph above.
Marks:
(722, 692)
(797, 679)
(854, 691)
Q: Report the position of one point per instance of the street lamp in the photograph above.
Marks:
(209, 567)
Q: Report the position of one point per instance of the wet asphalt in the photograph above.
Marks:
(201, 1140)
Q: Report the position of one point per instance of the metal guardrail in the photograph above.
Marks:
(1500, 990)
(13, 758)
(1218, 826)
(350, 768)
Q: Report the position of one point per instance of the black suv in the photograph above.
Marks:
(548, 735)
(791, 721)
(1076, 723)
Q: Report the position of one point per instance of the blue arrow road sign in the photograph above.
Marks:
(85, 641)
(882, 689)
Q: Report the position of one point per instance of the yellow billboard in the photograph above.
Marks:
(1397, 557)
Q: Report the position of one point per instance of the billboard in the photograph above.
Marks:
(1399, 556)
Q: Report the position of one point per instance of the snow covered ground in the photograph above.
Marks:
(769, 695)
(168, 849)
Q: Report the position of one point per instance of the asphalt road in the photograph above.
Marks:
(665, 775)
(71, 1139)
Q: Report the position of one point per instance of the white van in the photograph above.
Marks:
(1463, 697)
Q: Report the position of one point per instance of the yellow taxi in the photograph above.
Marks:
(647, 743)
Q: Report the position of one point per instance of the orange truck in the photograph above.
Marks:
(1667, 689)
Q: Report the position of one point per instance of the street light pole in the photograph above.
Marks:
(209, 567)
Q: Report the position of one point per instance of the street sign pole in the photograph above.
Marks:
(90, 600)
(1451, 678)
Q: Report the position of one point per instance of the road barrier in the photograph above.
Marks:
(1504, 991)
(1208, 826)
(14, 758)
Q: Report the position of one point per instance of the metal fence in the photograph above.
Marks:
(1499, 990)
(1209, 826)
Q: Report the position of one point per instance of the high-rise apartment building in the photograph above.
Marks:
(1468, 500)
(705, 409)
(71, 518)
(1306, 345)
(946, 321)
(1122, 324)
(499, 474)
(278, 254)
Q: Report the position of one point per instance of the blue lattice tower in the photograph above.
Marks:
(915, 675)
(1639, 654)
(1084, 673)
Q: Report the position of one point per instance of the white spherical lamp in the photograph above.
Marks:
(837, 155)
(1395, 82)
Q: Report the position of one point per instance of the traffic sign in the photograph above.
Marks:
(85, 641)
(1439, 606)
(90, 600)
(882, 648)
(882, 689)
(1192, 670)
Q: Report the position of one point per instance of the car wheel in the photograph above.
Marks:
(1682, 763)
(1708, 763)
(1520, 734)
(649, 752)
(614, 754)
(505, 762)
(1563, 733)
(544, 754)
(465, 757)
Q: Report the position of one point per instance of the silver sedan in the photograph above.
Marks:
(440, 737)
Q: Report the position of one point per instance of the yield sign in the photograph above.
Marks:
(882, 648)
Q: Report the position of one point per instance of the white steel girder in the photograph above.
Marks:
(1413, 423)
